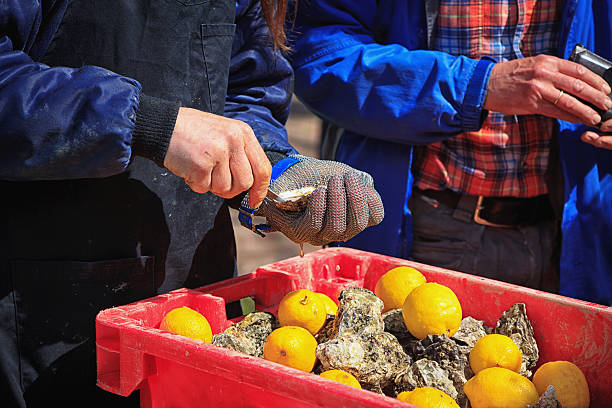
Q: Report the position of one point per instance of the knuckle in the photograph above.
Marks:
(263, 171)
(569, 103)
(577, 85)
(244, 129)
(542, 60)
(540, 71)
(244, 183)
(234, 139)
(225, 188)
(197, 187)
(540, 57)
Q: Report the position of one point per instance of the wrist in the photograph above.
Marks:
(155, 121)
(473, 109)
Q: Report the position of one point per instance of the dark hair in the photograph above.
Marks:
(275, 12)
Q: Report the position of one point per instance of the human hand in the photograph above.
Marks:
(343, 204)
(217, 154)
(549, 86)
(604, 141)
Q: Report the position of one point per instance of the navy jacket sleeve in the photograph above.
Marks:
(384, 91)
(259, 86)
(56, 122)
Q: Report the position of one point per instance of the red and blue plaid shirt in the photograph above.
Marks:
(509, 155)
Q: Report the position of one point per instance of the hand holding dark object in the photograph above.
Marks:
(603, 68)
(549, 86)
(217, 154)
(596, 139)
(343, 204)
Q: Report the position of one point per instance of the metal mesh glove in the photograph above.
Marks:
(344, 203)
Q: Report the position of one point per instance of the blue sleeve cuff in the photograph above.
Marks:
(473, 114)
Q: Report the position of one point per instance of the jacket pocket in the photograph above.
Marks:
(217, 42)
(56, 303)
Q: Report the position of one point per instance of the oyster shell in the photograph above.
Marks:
(292, 195)
(394, 323)
(248, 335)
(515, 324)
(425, 373)
(294, 200)
(324, 333)
(451, 357)
(359, 312)
(375, 359)
(547, 400)
(357, 343)
(470, 331)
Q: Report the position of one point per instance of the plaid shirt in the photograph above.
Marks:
(508, 156)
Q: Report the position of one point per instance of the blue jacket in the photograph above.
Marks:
(68, 123)
(364, 66)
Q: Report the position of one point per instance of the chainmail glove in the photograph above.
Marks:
(343, 204)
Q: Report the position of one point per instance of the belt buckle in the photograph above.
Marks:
(479, 220)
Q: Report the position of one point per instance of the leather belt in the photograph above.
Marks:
(502, 212)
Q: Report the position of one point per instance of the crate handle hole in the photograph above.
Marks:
(241, 307)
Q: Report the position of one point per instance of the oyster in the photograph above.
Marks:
(359, 312)
(324, 333)
(357, 343)
(470, 331)
(547, 400)
(293, 200)
(375, 359)
(249, 335)
(515, 324)
(451, 358)
(394, 324)
(292, 195)
(425, 373)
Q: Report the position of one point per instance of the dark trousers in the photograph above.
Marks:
(526, 255)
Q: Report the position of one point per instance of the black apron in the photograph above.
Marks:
(72, 248)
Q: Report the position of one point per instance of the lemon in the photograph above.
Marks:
(331, 308)
(393, 287)
(342, 377)
(431, 308)
(498, 387)
(291, 346)
(303, 308)
(428, 397)
(495, 350)
(569, 381)
(187, 322)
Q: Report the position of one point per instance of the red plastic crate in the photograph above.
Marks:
(174, 371)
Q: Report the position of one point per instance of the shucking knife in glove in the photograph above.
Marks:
(316, 202)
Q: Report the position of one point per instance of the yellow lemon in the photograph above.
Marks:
(393, 287)
(569, 381)
(428, 397)
(303, 308)
(342, 377)
(431, 308)
(495, 350)
(331, 308)
(292, 346)
(187, 322)
(498, 387)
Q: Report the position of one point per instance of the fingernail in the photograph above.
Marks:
(590, 137)
(606, 88)
(596, 119)
(608, 104)
(607, 127)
